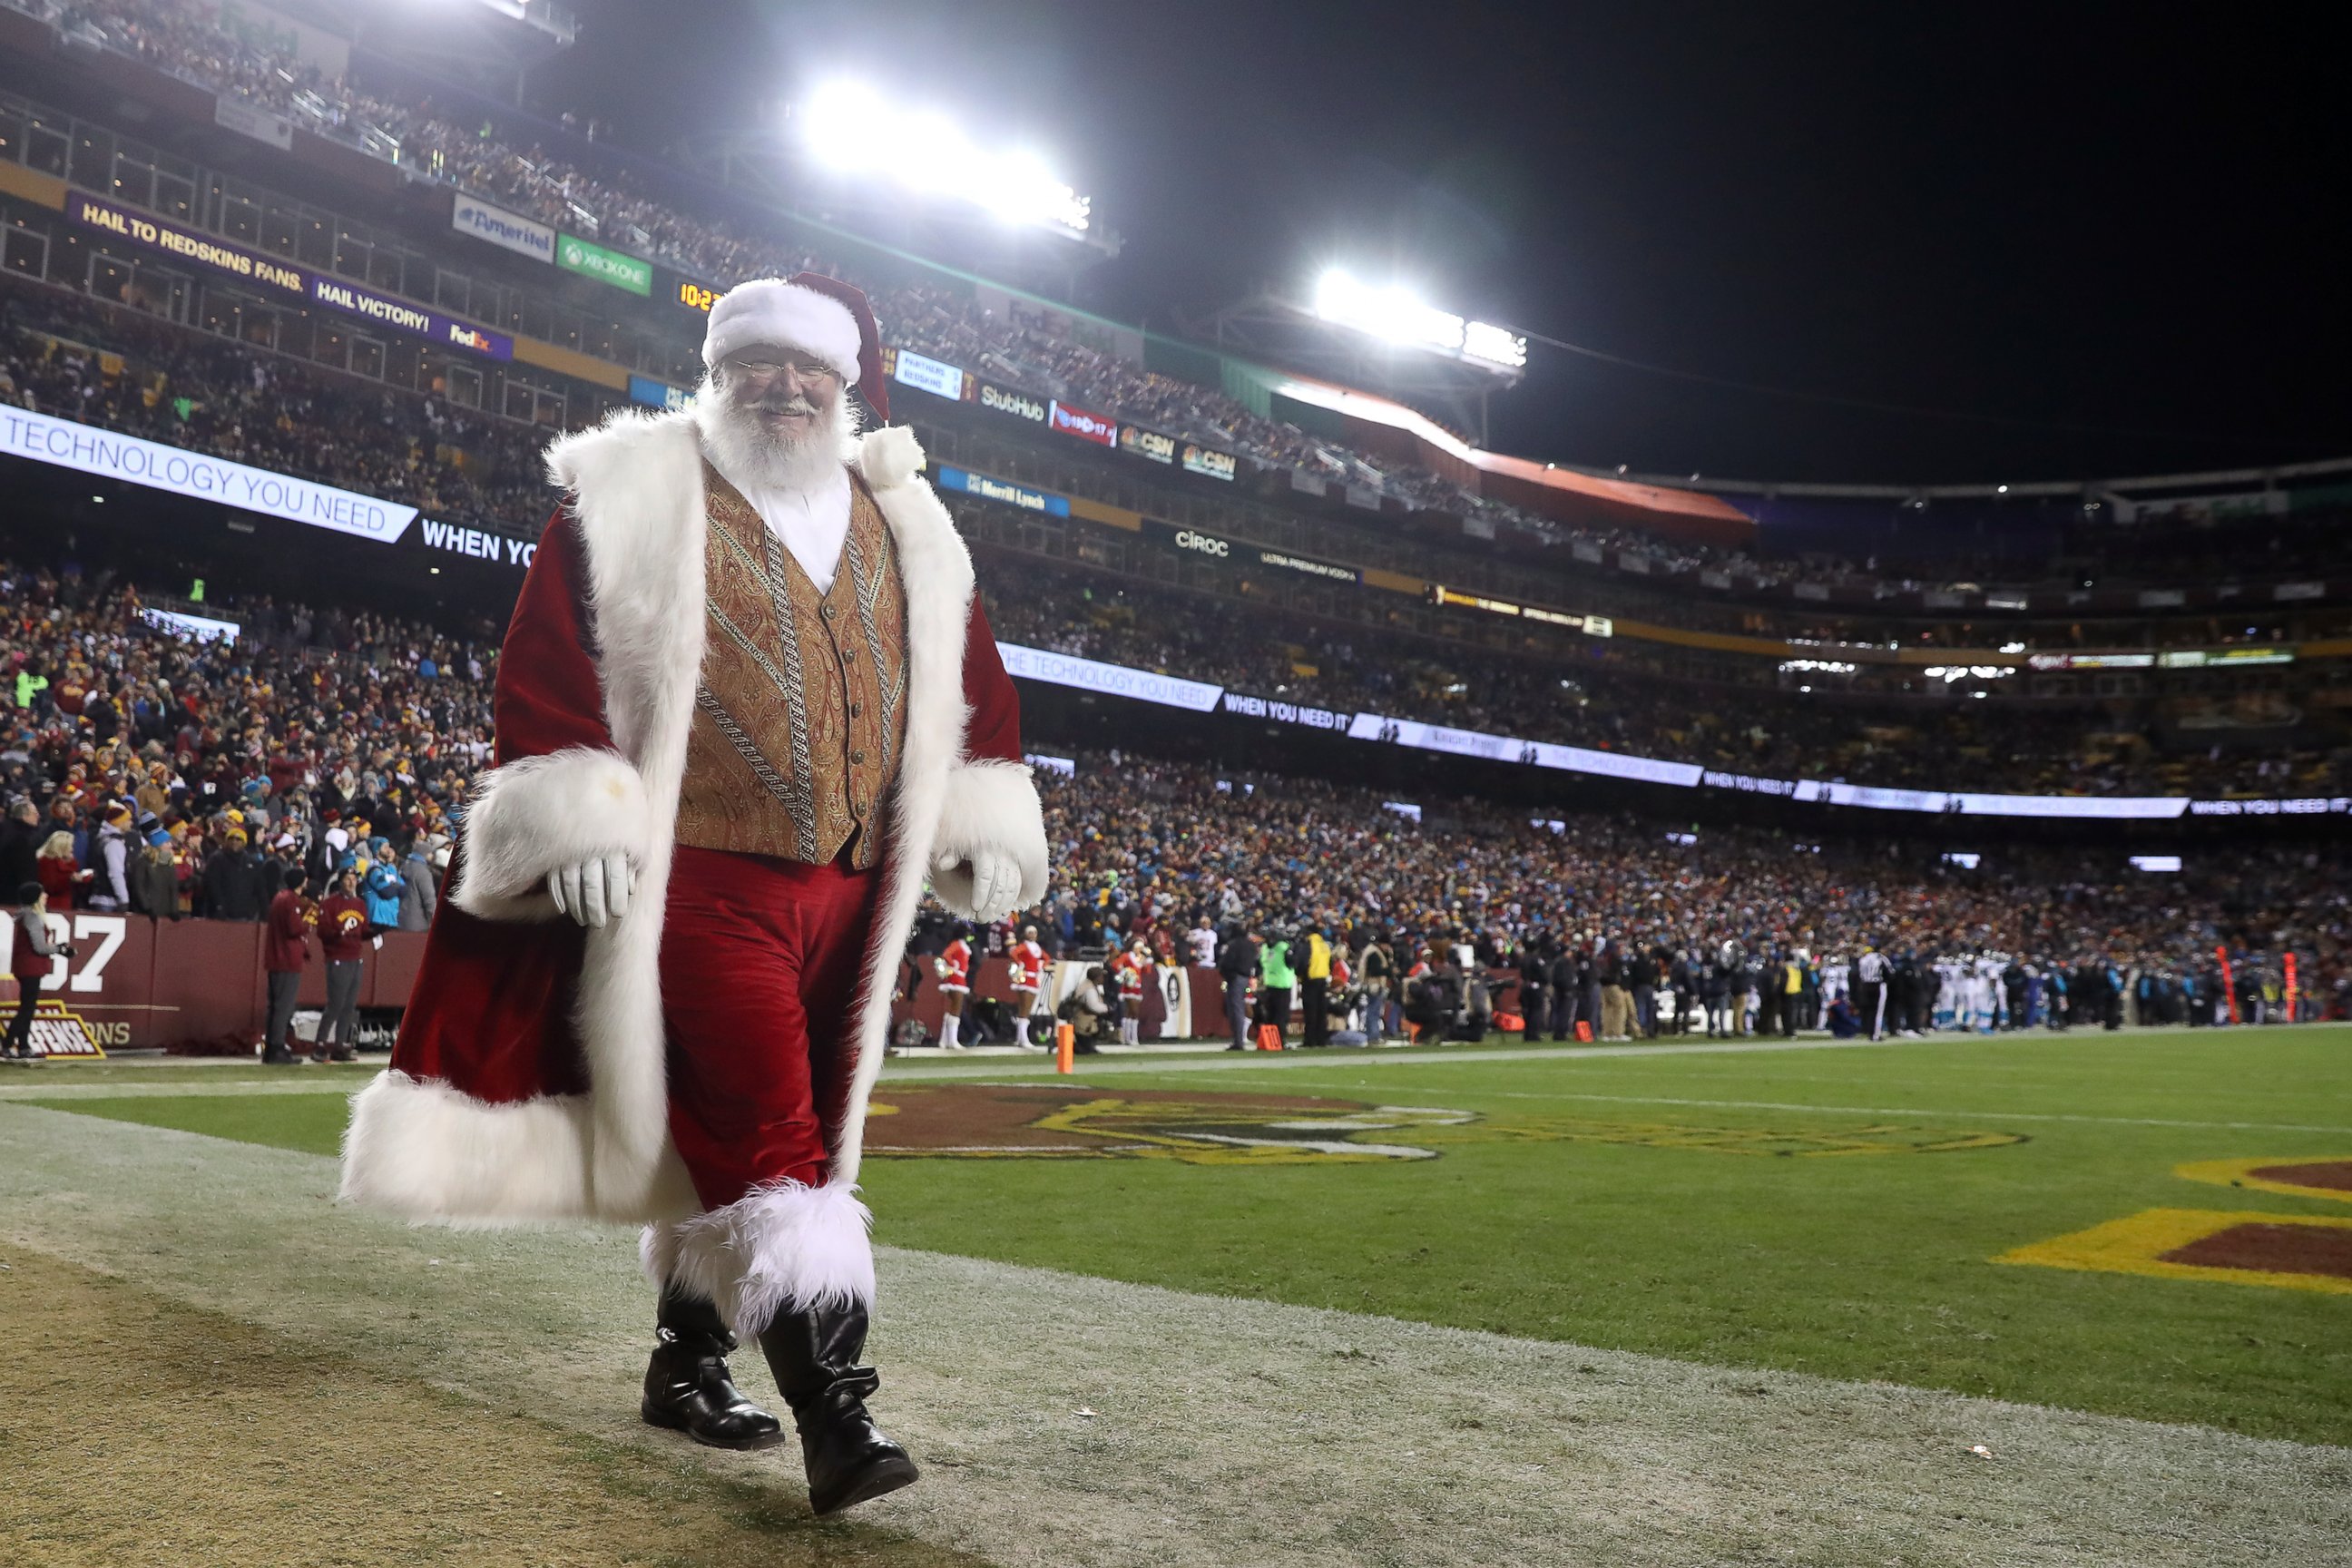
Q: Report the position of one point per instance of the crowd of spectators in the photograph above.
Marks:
(1162, 849)
(146, 771)
(543, 183)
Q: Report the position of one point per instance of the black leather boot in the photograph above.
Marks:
(688, 1388)
(814, 1355)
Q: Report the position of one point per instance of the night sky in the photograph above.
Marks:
(2111, 231)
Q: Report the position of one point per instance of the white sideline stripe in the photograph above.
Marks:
(58, 1088)
(1230, 1430)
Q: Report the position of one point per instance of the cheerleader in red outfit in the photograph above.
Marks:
(954, 966)
(1133, 970)
(1028, 978)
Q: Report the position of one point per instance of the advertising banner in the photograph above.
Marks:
(1532, 753)
(1307, 565)
(1110, 679)
(1593, 625)
(252, 266)
(1136, 441)
(510, 231)
(940, 380)
(248, 120)
(987, 488)
(2047, 661)
(1954, 804)
(2308, 806)
(654, 394)
(2225, 658)
(1193, 541)
(574, 254)
(63, 444)
(1011, 400)
(196, 628)
(1209, 463)
(1282, 712)
(498, 549)
(1085, 425)
(267, 271)
(448, 332)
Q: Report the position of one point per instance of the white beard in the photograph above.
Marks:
(753, 457)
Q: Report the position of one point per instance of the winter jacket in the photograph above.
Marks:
(155, 885)
(383, 889)
(235, 886)
(61, 878)
(112, 890)
(29, 960)
(420, 892)
(286, 945)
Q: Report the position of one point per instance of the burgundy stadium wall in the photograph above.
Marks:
(139, 982)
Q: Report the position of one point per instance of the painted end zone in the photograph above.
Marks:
(2282, 1251)
(2329, 1176)
(1040, 1121)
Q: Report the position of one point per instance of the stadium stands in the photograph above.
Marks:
(387, 719)
(1726, 713)
(229, 750)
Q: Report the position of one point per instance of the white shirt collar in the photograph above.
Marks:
(813, 522)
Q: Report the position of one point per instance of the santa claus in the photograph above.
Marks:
(748, 704)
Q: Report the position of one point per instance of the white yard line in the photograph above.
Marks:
(1228, 1431)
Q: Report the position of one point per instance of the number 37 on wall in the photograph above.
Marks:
(109, 930)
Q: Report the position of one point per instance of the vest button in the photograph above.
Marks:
(853, 710)
(857, 756)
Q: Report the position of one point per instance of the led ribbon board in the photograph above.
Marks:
(62, 442)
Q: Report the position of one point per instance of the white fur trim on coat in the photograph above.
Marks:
(993, 806)
(423, 1149)
(781, 1246)
(537, 814)
(789, 315)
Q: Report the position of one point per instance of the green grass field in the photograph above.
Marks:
(1640, 1202)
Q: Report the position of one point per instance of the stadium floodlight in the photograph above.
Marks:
(849, 128)
(1397, 315)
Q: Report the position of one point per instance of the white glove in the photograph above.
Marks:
(594, 891)
(995, 882)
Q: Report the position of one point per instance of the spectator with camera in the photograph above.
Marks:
(36, 953)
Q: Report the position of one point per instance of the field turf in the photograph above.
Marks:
(1636, 1201)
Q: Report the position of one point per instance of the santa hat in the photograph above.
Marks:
(816, 314)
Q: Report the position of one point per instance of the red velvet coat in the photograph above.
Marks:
(528, 1080)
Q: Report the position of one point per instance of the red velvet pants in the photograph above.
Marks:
(760, 963)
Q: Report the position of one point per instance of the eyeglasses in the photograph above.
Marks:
(769, 369)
